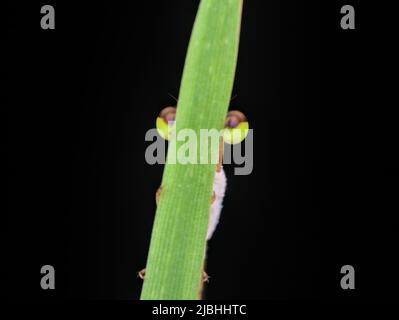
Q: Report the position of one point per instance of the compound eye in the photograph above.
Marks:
(235, 127)
(165, 122)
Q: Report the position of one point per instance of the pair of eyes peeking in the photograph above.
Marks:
(235, 125)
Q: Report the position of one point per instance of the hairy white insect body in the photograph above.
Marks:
(219, 188)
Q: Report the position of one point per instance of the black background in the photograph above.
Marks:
(323, 192)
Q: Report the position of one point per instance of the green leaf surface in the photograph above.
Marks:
(177, 250)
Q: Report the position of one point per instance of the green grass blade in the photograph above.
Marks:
(177, 248)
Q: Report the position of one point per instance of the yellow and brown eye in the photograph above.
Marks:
(236, 127)
(165, 122)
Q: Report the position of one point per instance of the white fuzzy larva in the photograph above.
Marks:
(219, 188)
